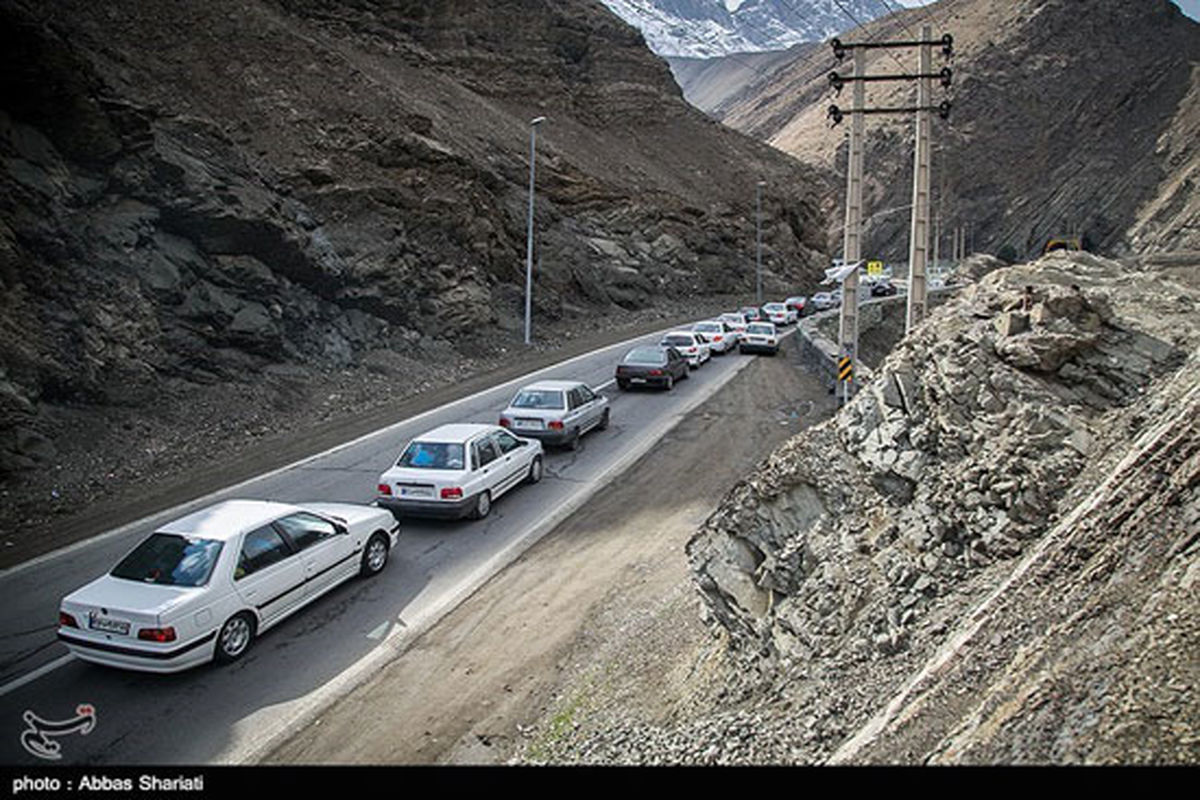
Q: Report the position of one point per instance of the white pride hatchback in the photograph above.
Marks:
(457, 471)
(202, 587)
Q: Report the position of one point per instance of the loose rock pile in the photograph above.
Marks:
(864, 547)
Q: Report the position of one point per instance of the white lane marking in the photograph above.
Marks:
(176, 510)
(254, 737)
(30, 677)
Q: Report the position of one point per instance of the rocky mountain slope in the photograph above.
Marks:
(989, 556)
(712, 28)
(1062, 122)
(236, 198)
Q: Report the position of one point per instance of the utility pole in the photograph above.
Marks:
(758, 295)
(918, 242)
(533, 124)
(852, 234)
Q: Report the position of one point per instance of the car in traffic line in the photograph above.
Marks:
(690, 345)
(823, 301)
(651, 366)
(780, 314)
(751, 313)
(761, 337)
(720, 336)
(797, 304)
(556, 412)
(458, 470)
(203, 587)
(736, 321)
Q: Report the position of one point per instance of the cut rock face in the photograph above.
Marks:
(952, 460)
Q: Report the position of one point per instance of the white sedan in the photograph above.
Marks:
(689, 345)
(202, 587)
(556, 412)
(761, 337)
(780, 314)
(721, 336)
(457, 471)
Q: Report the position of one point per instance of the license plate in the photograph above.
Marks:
(637, 380)
(529, 424)
(408, 491)
(108, 625)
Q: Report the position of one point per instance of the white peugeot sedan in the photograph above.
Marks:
(458, 470)
(690, 345)
(202, 587)
(721, 336)
(761, 337)
(556, 412)
(780, 314)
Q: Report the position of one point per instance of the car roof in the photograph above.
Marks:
(457, 432)
(679, 333)
(551, 385)
(225, 520)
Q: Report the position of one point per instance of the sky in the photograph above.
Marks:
(1188, 7)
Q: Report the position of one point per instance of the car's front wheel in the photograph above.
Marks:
(535, 470)
(375, 555)
(235, 637)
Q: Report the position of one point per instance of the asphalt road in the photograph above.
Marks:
(233, 714)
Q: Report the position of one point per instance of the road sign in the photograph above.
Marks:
(845, 369)
(874, 267)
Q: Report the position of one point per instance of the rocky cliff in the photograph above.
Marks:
(990, 555)
(237, 193)
(1064, 120)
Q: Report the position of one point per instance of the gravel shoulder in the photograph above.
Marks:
(598, 619)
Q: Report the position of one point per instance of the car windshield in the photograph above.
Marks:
(767, 329)
(645, 355)
(538, 398)
(678, 341)
(432, 455)
(170, 559)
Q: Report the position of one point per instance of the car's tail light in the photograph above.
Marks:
(385, 489)
(505, 422)
(65, 620)
(157, 634)
(453, 493)
(716, 338)
(555, 425)
(621, 371)
(655, 372)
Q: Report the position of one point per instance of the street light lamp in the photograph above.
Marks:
(758, 187)
(533, 123)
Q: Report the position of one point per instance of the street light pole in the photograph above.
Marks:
(533, 123)
(758, 187)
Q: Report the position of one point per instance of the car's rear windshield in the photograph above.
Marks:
(170, 559)
(706, 327)
(539, 398)
(678, 341)
(432, 455)
(645, 355)
(774, 306)
(768, 329)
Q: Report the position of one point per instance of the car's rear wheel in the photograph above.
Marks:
(535, 470)
(573, 442)
(235, 637)
(603, 421)
(375, 555)
(670, 384)
(623, 385)
(686, 374)
(483, 505)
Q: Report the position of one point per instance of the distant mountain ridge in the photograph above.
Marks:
(711, 28)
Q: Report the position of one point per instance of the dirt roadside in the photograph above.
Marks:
(598, 616)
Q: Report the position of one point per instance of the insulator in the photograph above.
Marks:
(947, 76)
(948, 46)
(839, 49)
(944, 109)
(835, 114)
(837, 82)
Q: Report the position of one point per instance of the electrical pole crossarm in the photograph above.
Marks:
(837, 81)
(840, 48)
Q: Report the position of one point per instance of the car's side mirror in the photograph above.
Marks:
(342, 529)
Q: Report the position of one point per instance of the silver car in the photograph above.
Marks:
(556, 412)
